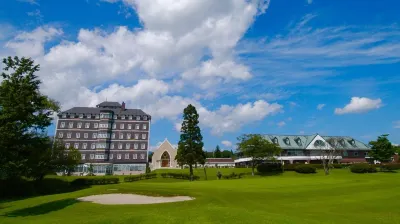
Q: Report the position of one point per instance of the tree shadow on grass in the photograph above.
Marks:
(42, 208)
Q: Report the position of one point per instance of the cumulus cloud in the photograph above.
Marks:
(359, 105)
(227, 143)
(320, 106)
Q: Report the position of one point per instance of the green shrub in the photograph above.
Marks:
(290, 167)
(306, 168)
(388, 166)
(183, 176)
(363, 168)
(140, 177)
(233, 176)
(269, 168)
(87, 181)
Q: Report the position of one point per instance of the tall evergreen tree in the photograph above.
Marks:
(25, 114)
(217, 152)
(190, 146)
(381, 149)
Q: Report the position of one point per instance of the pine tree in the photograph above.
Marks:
(190, 146)
(217, 152)
(381, 149)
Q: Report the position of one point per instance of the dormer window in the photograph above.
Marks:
(80, 115)
(319, 143)
(145, 118)
(275, 140)
(130, 117)
(123, 117)
(352, 142)
(64, 116)
(298, 141)
(115, 117)
(138, 118)
(89, 116)
(287, 141)
(72, 116)
(341, 142)
(97, 116)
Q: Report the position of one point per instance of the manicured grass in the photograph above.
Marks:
(342, 197)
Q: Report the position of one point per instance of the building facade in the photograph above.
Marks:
(164, 156)
(110, 137)
(307, 149)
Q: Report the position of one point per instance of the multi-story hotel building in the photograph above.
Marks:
(110, 137)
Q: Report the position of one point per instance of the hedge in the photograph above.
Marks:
(363, 168)
(269, 167)
(292, 167)
(87, 181)
(305, 169)
(140, 177)
(388, 166)
(233, 176)
(183, 176)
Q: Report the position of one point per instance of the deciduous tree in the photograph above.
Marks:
(190, 146)
(257, 148)
(381, 149)
(330, 152)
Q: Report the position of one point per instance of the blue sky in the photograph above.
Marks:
(257, 66)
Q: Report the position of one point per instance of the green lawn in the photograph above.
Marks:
(291, 198)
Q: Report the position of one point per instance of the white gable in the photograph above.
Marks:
(312, 145)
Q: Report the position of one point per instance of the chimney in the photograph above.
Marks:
(123, 106)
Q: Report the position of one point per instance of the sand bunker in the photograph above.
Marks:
(133, 199)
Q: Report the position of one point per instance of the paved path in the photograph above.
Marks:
(120, 199)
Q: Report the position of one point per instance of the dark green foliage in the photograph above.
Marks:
(219, 175)
(292, 167)
(381, 149)
(90, 170)
(24, 116)
(269, 168)
(305, 169)
(258, 148)
(388, 166)
(140, 177)
(233, 176)
(363, 168)
(88, 181)
(183, 176)
(190, 146)
(226, 154)
(217, 152)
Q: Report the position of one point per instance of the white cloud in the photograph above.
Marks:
(396, 124)
(32, 2)
(227, 143)
(320, 106)
(281, 124)
(360, 105)
(309, 1)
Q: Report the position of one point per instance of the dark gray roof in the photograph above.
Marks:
(109, 104)
(95, 110)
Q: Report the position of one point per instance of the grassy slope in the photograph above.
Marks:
(292, 198)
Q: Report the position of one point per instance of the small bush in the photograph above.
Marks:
(140, 177)
(233, 176)
(305, 169)
(183, 176)
(290, 167)
(388, 166)
(363, 168)
(269, 168)
(87, 181)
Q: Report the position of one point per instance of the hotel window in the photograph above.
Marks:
(115, 117)
(69, 135)
(94, 135)
(97, 116)
(101, 145)
(72, 116)
(127, 146)
(93, 146)
(120, 146)
(83, 156)
(137, 126)
(129, 126)
(62, 125)
(99, 156)
(128, 136)
(142, 156)
(143, 146)
(143, 136)
(136, 136)
(134, 156)
(96, 125)
(130, 117)
(104, 125)
(355, 153)
(85, 135)
(138, 118)
(144, 126)
(91, 156)
(80, 125)
(78, 135)
(88, 116)
(121, 126)
(123, 117)
(113, 135)
(67, 145)
(112, 146)
(80, 115)
(145, 118)
(71, 125)
(121, 136)
(60, 135)
(111, 156)
(118, 156)
(87, 125)
(114, 126)
(127, 156)
(64, 116)
(84, 145)
(135, 146)
(76, 145)
(365, 153)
